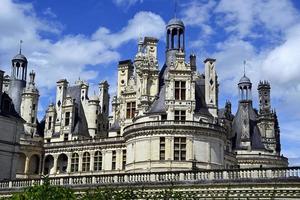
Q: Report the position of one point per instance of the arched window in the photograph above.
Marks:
(98, 161)
(74, 162)
(86, 162)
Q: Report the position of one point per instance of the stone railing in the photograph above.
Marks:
(167, 123)
(88, 141)
(176, 177)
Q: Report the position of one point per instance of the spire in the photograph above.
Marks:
(20, 50)
(175, 9)
(244, 67)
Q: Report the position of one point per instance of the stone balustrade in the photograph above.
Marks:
(80, 142)
(181, 124)
(175, 177)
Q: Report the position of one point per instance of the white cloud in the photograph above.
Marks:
(242, 16)
(126, 3)
(49, 12)
(71, 54)
(198, 13)
(142, 24)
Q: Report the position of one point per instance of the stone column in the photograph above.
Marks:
(55, 157)
(183, 42)
(168, 40)
(80, 161)
(69, 162)
(168, 148)
(172, 39)
(178, 35)
(92, 154)
(189, 149)
(40, 164)
(26, 168)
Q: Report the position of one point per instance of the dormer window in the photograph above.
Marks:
(130, 110)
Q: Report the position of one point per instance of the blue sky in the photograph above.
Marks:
(86, 39)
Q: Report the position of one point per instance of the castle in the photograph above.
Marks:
(164, 119)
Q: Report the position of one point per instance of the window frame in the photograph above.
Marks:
(130, 109)
(179, 149)
(98, 161)
(75, 162)
(86, 162)
(180, 90)
(179, 115)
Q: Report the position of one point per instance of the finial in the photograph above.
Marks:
(244, 67)
(20, 51)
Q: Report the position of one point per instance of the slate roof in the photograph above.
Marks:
(201, 106)
(80, 123)
(255, 135)
(8, 112)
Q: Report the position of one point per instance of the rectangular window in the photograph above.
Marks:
(124, 160)
(179, 115)
(66, 137)
(179, 148)
(98, 161)
(130, 110)
(113, 160)
(33, 106)
(49, 122)
(32, 119)
(180, 90)
(162, 151)
(67, 118)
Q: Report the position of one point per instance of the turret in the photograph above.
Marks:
(175, 39)
(29, 105)
(264, 97)
(18, 79)
(92, 117)
(245, 87)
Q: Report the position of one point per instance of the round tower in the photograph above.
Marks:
(175, 39)
(18, 79)
(92, 117)
(29, 105)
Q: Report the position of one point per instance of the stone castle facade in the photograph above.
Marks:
(161, 120)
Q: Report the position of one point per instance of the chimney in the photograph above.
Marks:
(193, 62)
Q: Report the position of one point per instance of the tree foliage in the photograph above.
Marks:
(45, 192)
(51, 192)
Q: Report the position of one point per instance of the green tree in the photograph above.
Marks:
(45, 192)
